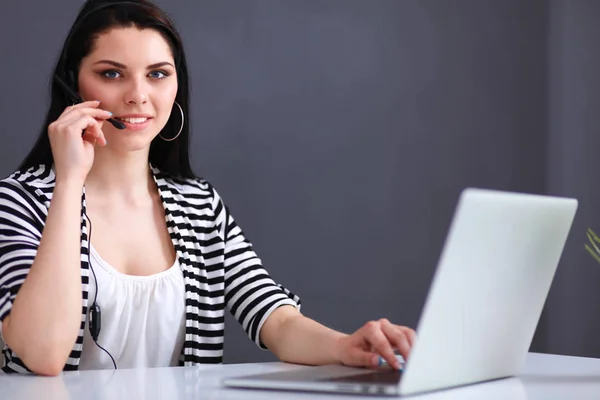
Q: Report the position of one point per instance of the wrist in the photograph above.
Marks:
(69, 185)
(338, 346)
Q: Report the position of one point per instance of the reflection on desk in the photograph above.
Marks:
(543, 377)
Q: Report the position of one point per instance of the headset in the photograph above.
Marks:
(95, 313)
(68, 83)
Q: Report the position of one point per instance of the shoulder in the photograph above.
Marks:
(25, 197)
(38, 181)
(195, 199)
(193, 194)
(34, 176)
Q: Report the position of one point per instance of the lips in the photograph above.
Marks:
(133, 120)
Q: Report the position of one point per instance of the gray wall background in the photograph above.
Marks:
(341, 132)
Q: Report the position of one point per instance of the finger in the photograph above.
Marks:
(90, 127)
(95, 130)
(97, 113)
(85, 104)
(397, 336)
(100, 123)
(90, 138)
(411, 336)
(374, 335)
(357, 357)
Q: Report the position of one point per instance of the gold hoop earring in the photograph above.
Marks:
(180, 129)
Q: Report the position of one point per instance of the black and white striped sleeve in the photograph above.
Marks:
(250, 293)
(21, 225)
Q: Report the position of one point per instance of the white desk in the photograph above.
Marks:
(543, 377)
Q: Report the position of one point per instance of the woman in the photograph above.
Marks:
(146, 284)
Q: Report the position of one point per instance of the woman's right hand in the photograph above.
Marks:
(73, 154)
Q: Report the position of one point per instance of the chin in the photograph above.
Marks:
(129, 142)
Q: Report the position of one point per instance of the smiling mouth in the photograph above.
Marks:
(134, 120)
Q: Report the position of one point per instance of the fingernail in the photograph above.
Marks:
(109, 113)
(377, 361)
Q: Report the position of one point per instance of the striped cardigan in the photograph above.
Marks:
(219, 265)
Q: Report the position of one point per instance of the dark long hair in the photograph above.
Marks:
(94, 18)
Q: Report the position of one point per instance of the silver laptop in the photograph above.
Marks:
(483, 306)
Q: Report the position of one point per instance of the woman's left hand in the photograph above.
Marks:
(364, 347)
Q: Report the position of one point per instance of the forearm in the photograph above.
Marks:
(302, 340)
(46, 314)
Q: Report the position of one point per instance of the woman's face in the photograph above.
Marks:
(132, 73)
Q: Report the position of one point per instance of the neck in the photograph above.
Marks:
(123, 178)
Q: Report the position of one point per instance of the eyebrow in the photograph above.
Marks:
(123, 66)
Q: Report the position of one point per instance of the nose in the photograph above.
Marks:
(136, 92)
